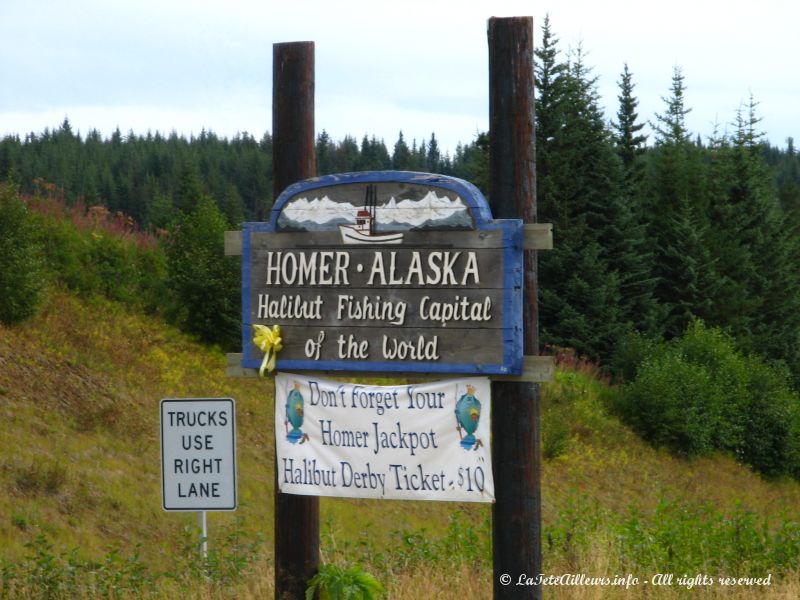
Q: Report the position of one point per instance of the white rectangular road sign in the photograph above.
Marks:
(198, 454)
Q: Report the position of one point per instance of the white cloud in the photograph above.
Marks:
(419, 66)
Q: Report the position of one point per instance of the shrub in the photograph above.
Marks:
(629, 354)
(94, 252)
(229, 557)
(205, 285)
(21, 269)
(673, 403)
(698, 393)
(770, 421)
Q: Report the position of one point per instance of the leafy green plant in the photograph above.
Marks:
(43, 570)
(232, 552)
(630, 352)
(336, 582)
(94, 253)
(21, 269)
(46, 574)
(677, 536)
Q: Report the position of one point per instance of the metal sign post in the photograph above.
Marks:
(203, 523)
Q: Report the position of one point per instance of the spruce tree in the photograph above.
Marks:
(401, 157)
(628, 139)
(632, 257)
(687, 267)
(753, 221)
(324, 149)
(204, 285)
(374, 156)
(188, 188)
(671, 125)
(676, 201)
(578, 190)
(346, 155)
(733, 307)
(549, 81)
(434, 156)
(22, 273)
(232, 206)
(788, 177)
(381, 155)
(366, 159)
(476, 163)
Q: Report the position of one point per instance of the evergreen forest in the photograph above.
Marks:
(652, 232)
(669, 435)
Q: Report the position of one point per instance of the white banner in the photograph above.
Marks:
(407, 442)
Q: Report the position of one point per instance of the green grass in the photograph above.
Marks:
(80, 482)
(82, 385)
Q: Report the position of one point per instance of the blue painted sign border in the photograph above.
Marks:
(510, 363)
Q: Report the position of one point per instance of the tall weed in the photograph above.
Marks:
(47, 574)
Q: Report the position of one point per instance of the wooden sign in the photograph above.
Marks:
(385, 272)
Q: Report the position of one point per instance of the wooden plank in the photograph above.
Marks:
(382, 345)
(233, 243)
(480, 238)
(385, 309)
(536, 369)
(538, 236)
(316, 273)
(463, 268)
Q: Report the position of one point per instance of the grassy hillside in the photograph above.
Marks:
(80, 467)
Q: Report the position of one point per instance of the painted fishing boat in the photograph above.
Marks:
(363, 231)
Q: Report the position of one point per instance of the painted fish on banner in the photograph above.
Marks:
(406, 442)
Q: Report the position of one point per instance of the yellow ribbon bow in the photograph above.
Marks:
(270, 343)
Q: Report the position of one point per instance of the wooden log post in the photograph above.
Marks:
(516, 454)
(294, 159)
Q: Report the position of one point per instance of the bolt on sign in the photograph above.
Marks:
(408, 442)
(198, 454)
(385, 272)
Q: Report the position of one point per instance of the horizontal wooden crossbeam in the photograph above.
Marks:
(233, 243)
(538, 236)
(534, 369)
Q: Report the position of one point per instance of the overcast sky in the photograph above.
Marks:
(381, 67)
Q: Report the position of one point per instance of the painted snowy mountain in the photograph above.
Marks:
(431, 211)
